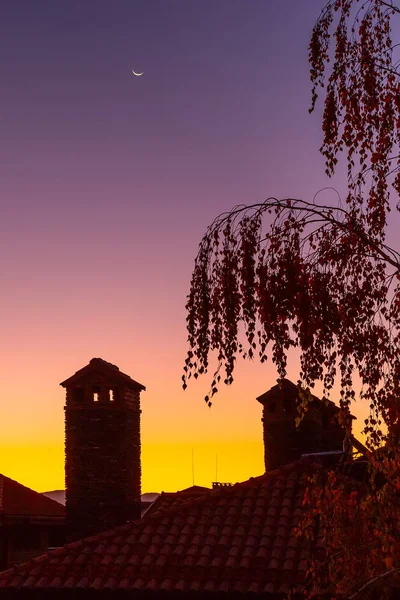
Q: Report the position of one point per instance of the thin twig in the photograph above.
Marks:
(371, 581)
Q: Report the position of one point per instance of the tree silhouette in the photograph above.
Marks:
(295, 274)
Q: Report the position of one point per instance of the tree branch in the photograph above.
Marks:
(371, 581)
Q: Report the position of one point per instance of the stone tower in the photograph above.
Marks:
(319, 430)
(102, 449)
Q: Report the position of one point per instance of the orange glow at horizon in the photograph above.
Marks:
(165, 467)
(227, 437)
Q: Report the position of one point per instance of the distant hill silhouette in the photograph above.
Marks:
(59, 496)
(149, 496)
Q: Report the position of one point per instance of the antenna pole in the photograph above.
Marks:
(216, 467)
(193, 466)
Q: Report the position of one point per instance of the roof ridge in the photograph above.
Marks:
(28, 563)
(227, 491)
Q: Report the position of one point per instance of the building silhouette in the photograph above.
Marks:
(286, 441)
(30, 523)
(102, 449)
(232, 541)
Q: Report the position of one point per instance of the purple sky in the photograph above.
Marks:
(108, 181)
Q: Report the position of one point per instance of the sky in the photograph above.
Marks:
(108, 182)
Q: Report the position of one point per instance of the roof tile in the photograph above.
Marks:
(97, 583)
(239, 538)
(56, 582)
(111, 583)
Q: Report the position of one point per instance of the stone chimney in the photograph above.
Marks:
(319, 431)
(102, 449)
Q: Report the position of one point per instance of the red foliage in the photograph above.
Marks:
(290, 273)
(362, 98)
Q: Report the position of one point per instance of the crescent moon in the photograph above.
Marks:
(137, 74)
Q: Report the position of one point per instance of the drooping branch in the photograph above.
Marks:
(372, 581)
(292, 273)
(389, 5)
(288, 274)
(323, 214)
(351, 55)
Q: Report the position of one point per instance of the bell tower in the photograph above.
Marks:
(319, 430)
(102, 449)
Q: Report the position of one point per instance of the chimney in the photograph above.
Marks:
(319, 431)
(102, 449)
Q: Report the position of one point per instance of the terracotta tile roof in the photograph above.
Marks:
(167, 500)
(18, 500)
(234, 539)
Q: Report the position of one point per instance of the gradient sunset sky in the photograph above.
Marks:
(107, 184)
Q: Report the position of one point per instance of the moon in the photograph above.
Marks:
(137, 74)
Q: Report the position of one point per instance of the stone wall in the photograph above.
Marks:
(318, 431)
(102, 465)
